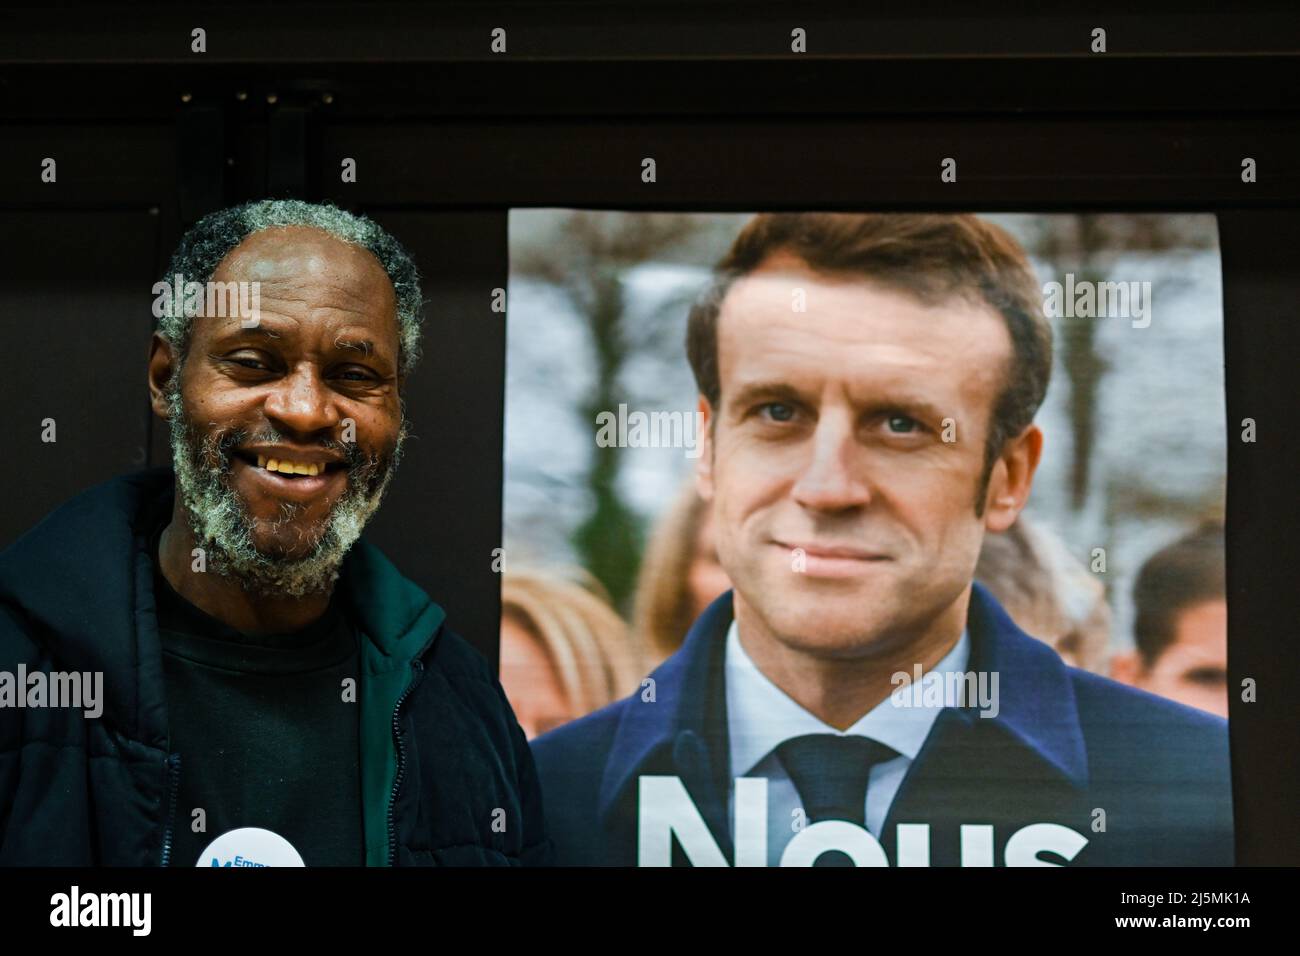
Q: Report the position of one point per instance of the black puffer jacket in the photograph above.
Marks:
(447, 776)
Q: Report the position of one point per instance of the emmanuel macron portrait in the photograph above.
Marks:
(856, 454)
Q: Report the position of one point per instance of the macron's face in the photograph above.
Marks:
(325, 350)
(844, 519)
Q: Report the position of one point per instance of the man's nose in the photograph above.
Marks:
(301, 402)
(832, 478)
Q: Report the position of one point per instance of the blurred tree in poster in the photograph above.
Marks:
(594, 252)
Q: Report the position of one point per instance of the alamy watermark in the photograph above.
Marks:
(77, 909)
(656, 429)
(1086, 299)
(76, 690)
(242, 300)
(946, 689)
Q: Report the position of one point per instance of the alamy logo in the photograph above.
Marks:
(75, 908)
(946, 689)
(242, 300)
(74, 689)
(1085, 299)
(657, 429)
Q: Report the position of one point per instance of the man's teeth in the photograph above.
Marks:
(286, 467)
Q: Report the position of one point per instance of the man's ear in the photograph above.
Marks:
(1012, 478)
(704, 463)
(162, 365)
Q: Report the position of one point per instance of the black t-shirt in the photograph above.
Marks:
(267, 732)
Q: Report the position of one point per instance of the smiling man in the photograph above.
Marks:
(277, 693)
(870, 384)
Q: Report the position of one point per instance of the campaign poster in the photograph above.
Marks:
(876, 539)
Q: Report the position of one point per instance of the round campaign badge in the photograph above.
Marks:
(250, 846)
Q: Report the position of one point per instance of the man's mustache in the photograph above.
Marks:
(220, 448)
(365, 472)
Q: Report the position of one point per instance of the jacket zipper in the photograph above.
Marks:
(417, 666)
(173, 791)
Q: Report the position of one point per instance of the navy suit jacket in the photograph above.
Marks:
(1065, 745)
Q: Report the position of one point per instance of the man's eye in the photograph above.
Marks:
(355, 375)
(247, 362)
(902, 425)
(1207, 677)
(778, 411)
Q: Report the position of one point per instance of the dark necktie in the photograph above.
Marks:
(830, 772)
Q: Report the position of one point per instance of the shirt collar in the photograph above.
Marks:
(761, 716)
(1038, 705)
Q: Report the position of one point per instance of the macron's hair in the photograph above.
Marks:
(1178, 576)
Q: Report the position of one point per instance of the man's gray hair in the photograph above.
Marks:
(212, 238)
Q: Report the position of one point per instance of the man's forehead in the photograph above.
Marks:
(1201, 629)
(298, 253)
(786, 316)
(785, 283)
(297, 268)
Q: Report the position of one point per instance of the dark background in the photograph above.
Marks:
(447, 136)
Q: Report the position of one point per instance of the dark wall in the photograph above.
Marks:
(74, 314)
(447, 136)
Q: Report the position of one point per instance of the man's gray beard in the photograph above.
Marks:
(223, 527)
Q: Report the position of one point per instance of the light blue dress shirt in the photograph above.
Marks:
(761, 717)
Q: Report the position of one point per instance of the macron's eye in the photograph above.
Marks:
(779, 412)
(901, 424)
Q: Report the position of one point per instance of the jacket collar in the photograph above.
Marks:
(391, 610)
(84, 577)
(686, 720)
(1037, 706)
